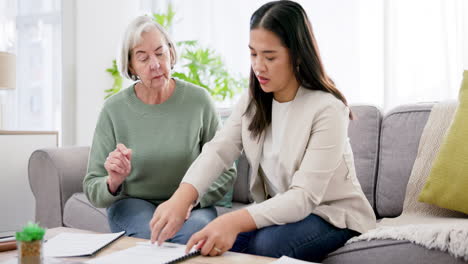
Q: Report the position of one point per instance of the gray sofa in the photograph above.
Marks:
(384, 149)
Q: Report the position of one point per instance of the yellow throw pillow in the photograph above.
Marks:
(447, 184)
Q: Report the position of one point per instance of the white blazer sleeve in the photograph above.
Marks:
(220, 153)
(322, 156)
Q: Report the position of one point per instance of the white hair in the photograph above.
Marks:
(132, 37)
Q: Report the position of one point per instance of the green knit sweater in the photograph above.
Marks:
(165, 139)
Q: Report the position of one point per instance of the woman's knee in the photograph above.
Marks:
(132, 216)
(266, 246)
(202, 217)
(310, 239)
(116, 215)
(198, 220)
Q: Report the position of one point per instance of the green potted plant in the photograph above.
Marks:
(29, 243)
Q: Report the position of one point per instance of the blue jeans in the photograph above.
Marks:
(310, 239)
(133, 215)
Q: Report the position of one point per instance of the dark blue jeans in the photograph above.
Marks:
(133, 216)
(310, 239)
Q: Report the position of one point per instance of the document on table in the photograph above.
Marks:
(7, 239)
(143, 253)
(78, 245)
(288, 260)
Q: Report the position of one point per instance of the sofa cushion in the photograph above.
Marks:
(364, 132)
(241, 185)
(446, 185)
(399, 140)
(388, 252)
(80, 213)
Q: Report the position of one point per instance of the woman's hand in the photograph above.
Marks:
(188, 212)
(219, 235)
(169, 216)
(118, 165)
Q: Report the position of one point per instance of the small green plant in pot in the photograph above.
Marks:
(30, 244)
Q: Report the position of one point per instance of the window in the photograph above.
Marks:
(35, 104)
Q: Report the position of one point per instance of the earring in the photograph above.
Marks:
(297, 68)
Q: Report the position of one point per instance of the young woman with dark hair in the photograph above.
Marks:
(292, 126)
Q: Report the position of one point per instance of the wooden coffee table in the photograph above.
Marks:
(127, 242)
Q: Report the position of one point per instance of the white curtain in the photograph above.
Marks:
(379, 52)
(423, 50)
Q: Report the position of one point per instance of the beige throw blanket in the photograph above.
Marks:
(420, 223)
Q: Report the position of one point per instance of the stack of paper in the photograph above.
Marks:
(77, 245)
(143, 253)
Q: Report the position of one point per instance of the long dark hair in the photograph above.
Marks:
(288, 20)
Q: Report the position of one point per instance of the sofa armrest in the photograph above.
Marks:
(55, 174)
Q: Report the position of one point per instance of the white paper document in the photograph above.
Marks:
(77, 245)
(7, 239)
(143, 253)
(288, 260)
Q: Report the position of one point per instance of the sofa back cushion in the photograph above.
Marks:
(364, 132)
(241, 185)
(399, 140)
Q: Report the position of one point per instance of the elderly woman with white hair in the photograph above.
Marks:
(148, 135)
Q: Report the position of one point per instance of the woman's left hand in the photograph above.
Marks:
(216, 238)
(219, 235)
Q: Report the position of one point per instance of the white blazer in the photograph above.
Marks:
(316, 162)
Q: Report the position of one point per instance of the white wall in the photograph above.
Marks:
(465, 34)
(68, 104)
(18, 203)
(99, 27)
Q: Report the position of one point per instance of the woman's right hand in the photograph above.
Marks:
(118, 165)
(168, 219)
(169, 216)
